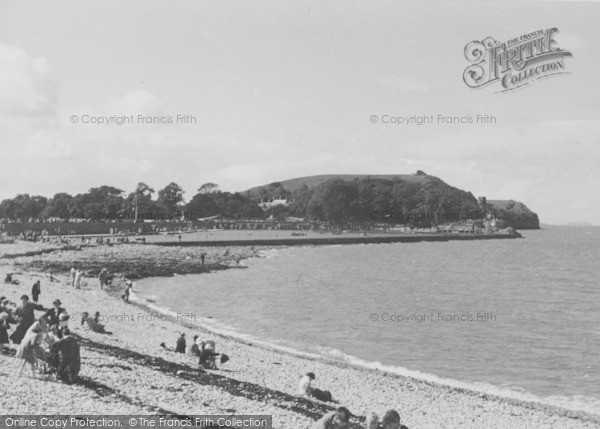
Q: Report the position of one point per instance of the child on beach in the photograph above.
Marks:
(305, 389)
(128, 288)
(180, 346)
(36, 290)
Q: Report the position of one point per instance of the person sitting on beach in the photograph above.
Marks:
(53, 314)
(305, 388)
(180, 346)
(9, 280)
(93, 322)
(338, 419)
(391, 420)
(208, 355)
(65, 357)
(194, 349)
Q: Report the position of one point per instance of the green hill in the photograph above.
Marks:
(356, 198)
(311, 182)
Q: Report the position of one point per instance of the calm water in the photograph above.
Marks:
(514, 317)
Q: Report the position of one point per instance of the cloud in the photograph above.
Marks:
(405, 85)
(27, 87)
(136, 102)
(123, 163)
(48, 145)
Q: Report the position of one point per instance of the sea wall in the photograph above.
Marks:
(316, 241)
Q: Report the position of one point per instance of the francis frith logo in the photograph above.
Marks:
(515, 63)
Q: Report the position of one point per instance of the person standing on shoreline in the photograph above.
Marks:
(73, 273)
(77, 279)
(128, 288)
(103, 277)
(36, 290)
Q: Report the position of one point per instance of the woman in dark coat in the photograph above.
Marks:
(25, 315)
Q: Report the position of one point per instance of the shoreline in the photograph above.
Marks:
(343, 364)
(259, 379)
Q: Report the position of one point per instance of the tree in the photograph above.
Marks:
(170, 197)
(98, 203)
(208, 188)
(139, 203)
(335, 201)
(235, 206)
(58, 206)
(23, 206)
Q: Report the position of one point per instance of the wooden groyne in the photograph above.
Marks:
(322, 241)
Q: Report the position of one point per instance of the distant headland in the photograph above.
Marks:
(417, 203)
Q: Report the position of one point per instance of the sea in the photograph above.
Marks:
(515, 318)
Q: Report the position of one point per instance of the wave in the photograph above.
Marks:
(575, 403)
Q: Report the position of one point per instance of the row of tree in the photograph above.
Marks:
(108, 202)
(336, 201)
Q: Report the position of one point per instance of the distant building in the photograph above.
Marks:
(273, 203)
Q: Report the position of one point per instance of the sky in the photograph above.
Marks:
(283, 89)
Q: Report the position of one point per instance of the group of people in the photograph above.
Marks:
(76, 278)
(93, 322)
(340, 418)
(204, 350)
(44, 342)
